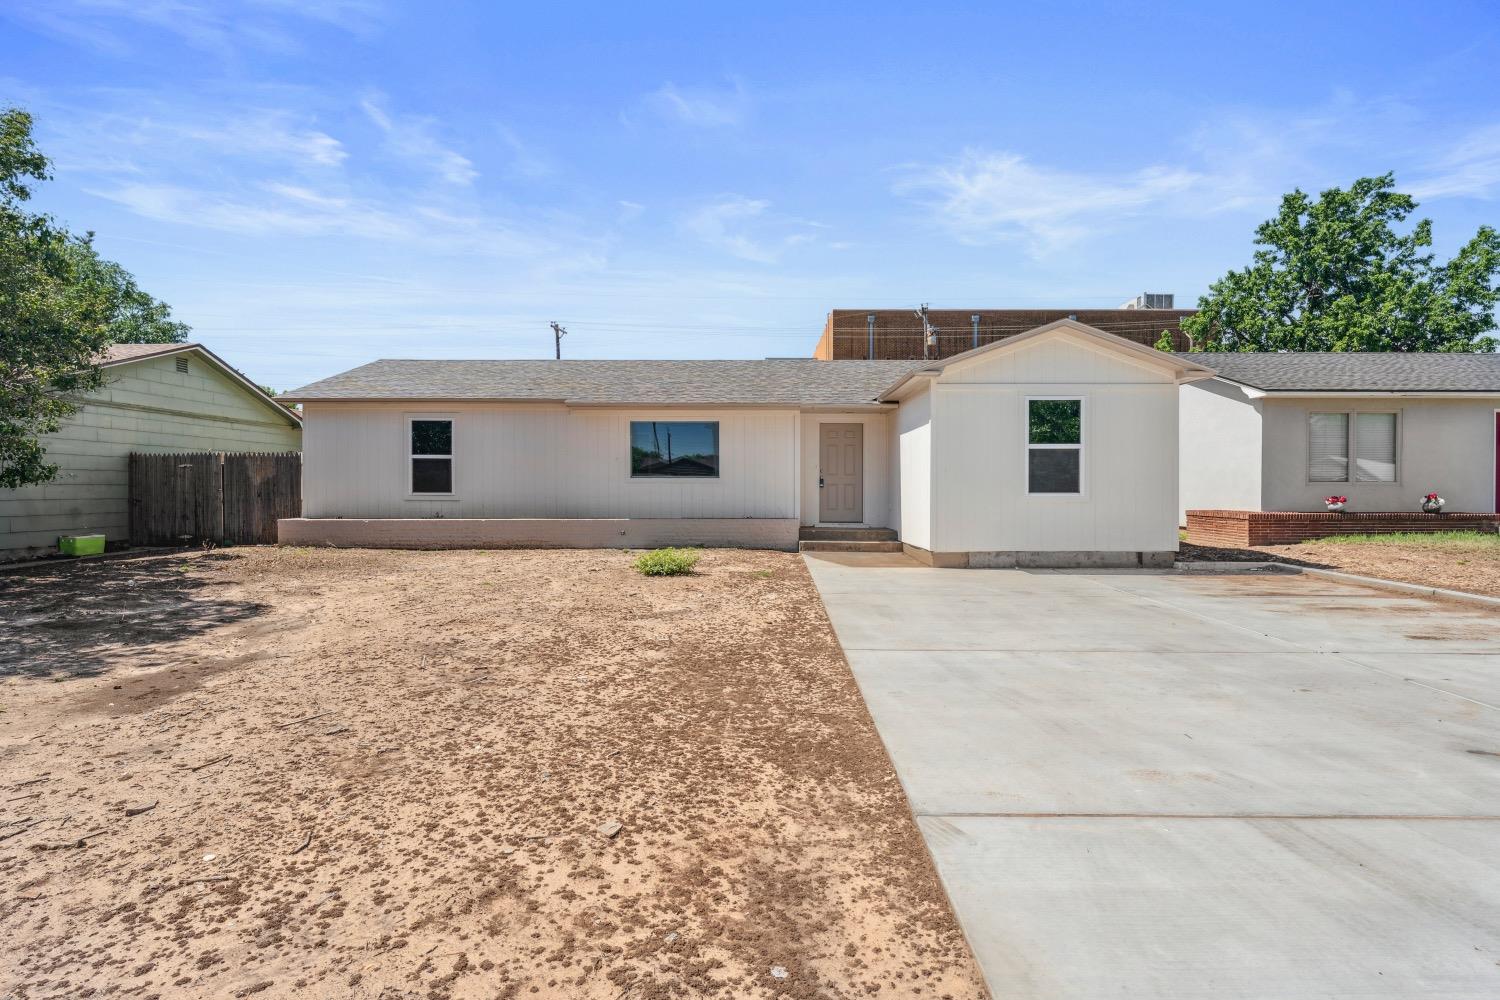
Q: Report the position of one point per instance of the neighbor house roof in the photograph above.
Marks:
(773, 382)
(116, 354)
(1357, 372)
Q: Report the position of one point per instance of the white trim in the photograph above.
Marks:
(1495, 459)
(1255, 392)
(1080, 447)
(1182, 371)
(452, 494)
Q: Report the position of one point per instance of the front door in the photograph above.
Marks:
(841, 472)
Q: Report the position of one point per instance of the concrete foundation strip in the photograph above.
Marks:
(1415, 589)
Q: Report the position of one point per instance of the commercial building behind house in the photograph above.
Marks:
(897, 334)
(157, 398)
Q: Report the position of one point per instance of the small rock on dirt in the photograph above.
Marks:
(610, 828)
(777, 972)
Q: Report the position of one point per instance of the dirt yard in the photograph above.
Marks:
(1469, 563)
(314, 773)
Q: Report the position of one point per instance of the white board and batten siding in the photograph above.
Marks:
(913, 467)
(976, 431)
(146, 406)
(543, 461)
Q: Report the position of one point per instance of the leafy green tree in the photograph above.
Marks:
(1335, 275)
(61, 305)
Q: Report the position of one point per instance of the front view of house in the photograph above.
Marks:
(1054, 447)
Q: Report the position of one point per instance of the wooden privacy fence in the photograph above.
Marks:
(212, 496)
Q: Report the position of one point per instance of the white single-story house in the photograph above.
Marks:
(1280, 432)
(1054, 447)
(156, 398)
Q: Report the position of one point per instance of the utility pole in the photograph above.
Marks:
(558, 333)
(929, 333)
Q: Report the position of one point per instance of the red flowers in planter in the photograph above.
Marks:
(1335, 499)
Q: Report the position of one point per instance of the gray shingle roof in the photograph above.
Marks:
(1352, 372)
(775, 382)
(116, 353)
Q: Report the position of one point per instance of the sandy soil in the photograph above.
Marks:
(1472, 567)
(381, 774)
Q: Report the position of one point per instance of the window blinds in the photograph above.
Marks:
(1375, 448)
(1328, 447)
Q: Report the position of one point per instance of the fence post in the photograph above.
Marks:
(219, 500)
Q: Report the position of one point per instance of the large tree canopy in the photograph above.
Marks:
(1335, 275)
(61, 305)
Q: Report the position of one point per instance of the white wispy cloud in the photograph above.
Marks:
(1469, 169)
(412, 139)
(220, 28)
(984, 197)
(525, 161)
(701, 107)
(743, 228)
(285, 209)
(179, 139)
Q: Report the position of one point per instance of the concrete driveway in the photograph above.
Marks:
(1160, 785)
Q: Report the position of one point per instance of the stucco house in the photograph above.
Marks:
(157, 398)
(1280, 432)
(1054, 447)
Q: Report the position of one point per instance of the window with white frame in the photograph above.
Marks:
(1365, 444)
(1375, 447)
(1054, 446)
(1328, 447)
(431, 455)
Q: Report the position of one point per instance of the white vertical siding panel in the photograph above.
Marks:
(979, 468)
(543, 461)
(914, 424)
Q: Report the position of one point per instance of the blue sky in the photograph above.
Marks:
(316, 183)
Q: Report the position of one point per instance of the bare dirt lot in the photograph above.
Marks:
(382, 774)
(1470, 563)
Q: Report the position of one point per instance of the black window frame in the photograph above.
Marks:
(413, 456)
(675, 476)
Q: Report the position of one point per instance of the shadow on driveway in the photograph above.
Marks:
(71, 619)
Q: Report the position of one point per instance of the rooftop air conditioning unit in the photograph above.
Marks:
(1150, 300)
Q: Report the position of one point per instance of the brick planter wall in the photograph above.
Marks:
(1241, 528)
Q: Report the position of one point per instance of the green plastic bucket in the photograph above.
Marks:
(81, 545)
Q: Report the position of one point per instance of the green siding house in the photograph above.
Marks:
(157, 398)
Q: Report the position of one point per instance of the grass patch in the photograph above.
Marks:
(667, 562)
(1433, 538)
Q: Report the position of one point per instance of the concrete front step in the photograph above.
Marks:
(813, 534)
(837, 545)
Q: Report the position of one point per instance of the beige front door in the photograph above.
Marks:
(841, 472)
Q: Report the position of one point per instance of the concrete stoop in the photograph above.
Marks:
(835, 545)
(817, 539)
(810, 533)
